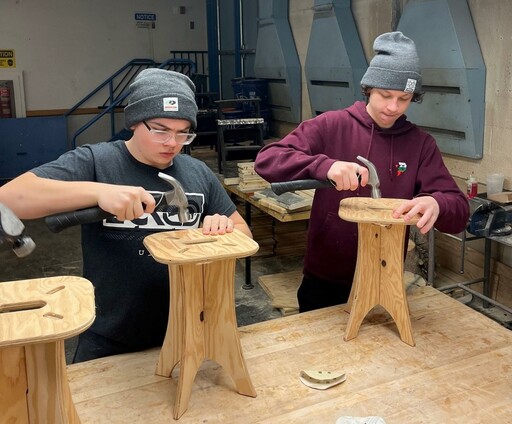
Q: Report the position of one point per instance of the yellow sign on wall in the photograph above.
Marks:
(7, 58)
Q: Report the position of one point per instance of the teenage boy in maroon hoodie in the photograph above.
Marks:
(408, 161)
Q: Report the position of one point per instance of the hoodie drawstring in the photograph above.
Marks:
(371, 142)
(391, 157)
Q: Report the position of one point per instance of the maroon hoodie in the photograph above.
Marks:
(407, 160)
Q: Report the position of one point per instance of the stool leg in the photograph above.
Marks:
(221, 330)
(187, 280)
(378, 279)
(13, 385)
(49, 397)
(392, 290)
(202, 324)
(193, 352)
(364, 294)
(170, 354)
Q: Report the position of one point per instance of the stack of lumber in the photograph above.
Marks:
(262, 229)
(275, 237)
(263, 233)
(249, 180)
(287, 202)
(282, 290)
(290, 237)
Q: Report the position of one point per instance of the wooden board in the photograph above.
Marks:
(231, 181)
(282, 290)
(186, 246)
(44, 309)
(378, 211)
(503, 198)
(459, 372)
(288, 201)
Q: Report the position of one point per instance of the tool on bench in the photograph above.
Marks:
(12, 231)
(373, 180)
(491, 218)
(175, 197)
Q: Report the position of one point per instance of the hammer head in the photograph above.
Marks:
(373, 178)
(176, 197)
(12, 231)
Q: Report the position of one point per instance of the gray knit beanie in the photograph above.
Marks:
(395, 66)
(157, 93)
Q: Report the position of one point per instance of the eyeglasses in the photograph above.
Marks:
(162, 137)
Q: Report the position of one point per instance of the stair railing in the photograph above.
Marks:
(118, 92)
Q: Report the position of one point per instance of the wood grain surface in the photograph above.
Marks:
(35, 317)
(187, 246)
(366, 209)
(459, 372)
(45, 309)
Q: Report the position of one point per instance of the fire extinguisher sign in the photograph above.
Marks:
(7, 58)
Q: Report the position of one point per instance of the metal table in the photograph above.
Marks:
(486, 278)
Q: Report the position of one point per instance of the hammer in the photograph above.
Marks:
(175, 197)
(373, 180)
(12, 230)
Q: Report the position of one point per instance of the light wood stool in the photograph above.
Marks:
(35, 318)
(379, 275)
(202, 319)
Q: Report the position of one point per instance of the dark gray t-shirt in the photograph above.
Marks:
(131, 288)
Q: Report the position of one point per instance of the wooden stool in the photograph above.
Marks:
(35, 318)
(379, 275)
(202, 319)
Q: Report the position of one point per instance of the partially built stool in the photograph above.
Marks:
(379, 274)
(36, 316)
(202, 319)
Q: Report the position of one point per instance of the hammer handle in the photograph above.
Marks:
(57, 223)
(280, 188)
(61, 221)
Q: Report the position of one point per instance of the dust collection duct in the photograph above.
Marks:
(334, 69)
(277, 61)
(453, 72)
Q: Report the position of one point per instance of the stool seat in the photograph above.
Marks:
(202, 319)
(36, 316)
(378, 278)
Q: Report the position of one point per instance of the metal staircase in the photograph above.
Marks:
(116, 90)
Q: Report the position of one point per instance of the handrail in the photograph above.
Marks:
(185, 66)
(109, 80)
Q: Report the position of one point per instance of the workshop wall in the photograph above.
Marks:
(492, 23)
(65, 48)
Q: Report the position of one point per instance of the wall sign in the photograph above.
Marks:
(145, 20)
(7, 58)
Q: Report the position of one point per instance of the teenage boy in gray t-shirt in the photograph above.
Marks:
(131, 288)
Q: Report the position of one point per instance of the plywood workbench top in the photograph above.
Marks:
(459, 371)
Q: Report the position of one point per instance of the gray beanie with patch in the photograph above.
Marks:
(157, 93)
(395, 66)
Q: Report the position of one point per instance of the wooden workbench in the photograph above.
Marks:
(280, 216)
(249, 201)
(459, 372)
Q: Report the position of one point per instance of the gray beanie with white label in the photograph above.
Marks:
(395, 66)
(157, 93)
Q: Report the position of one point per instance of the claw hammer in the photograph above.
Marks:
(175, 197)
(373, 180)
